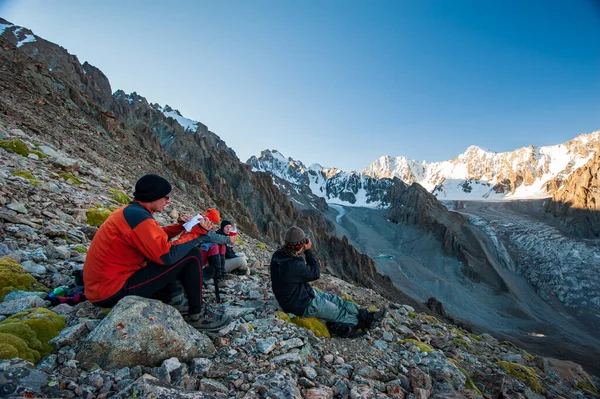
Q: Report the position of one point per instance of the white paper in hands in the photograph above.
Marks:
(193, 221)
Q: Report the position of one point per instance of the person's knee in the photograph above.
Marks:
(195, 252)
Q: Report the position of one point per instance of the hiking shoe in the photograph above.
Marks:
(208, 320)
(180, 303)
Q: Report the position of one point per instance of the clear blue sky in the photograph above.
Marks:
(343, 82)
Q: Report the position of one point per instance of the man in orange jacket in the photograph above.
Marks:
(132, 255)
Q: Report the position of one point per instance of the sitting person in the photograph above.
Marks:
(290, 276)
(132, 255)
(235, 262)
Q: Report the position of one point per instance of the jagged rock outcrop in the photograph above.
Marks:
(577, 203)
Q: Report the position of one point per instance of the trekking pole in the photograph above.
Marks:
(216, 280)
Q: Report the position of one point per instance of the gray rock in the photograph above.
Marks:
(19, 377)
(13, 296)
(17, 207)
(266, 345)
(69, 335)
(20, 305)
(58, 252)
(48, 151)
(287, 358)
(309, 372)
(141, 331)
(292, 343)
(276, 385)
(54, 230)
(48, 363)
(32, 267)
(38, 255)
(149, 387)
(201, 366)
(212, 386)
(441, 369)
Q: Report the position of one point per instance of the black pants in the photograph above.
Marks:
(154, 278)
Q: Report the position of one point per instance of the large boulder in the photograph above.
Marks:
(141, 331)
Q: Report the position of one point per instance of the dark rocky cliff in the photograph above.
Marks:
(577, 203)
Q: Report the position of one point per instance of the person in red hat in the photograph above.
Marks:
(132, 255)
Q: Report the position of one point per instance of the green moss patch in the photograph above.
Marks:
(40, 154)
(262, 246)
(96, 216)
(80, 248)
(431, 319)
(584, 386)
(14, 277)
(12, 346)
(27, 175)
(311, 323)
(460, 341)
(523, 373)
(43, 322)
(70, 176)
(423, 347)
(16, 146)
(119, 196)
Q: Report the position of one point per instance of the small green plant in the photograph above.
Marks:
(119, 196)
(70, 176)
(423, 347)
(412, 315)
(475, 337)
(523, 373)
(430, 319)
(16, 146)
(262, 246)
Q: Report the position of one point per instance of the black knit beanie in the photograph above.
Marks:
(224, 223)
(150, 188)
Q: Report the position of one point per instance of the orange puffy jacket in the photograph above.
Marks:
(125, 242)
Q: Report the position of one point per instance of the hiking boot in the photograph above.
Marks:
(343, 330)
(366, 319)
(208, 320)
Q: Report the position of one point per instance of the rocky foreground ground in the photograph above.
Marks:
(49, 206)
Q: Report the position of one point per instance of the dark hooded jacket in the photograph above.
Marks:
(290, 275)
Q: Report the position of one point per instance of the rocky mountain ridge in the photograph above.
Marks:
(476, 174)
(331, 184)
(479, 174)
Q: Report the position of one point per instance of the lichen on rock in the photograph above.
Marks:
(311, 323)
(523, 373)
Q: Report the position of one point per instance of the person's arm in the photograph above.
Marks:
(211, 236)
(153, 242)
(303, 272)
(173, 230)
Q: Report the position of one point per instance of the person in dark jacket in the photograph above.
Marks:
(290, 277)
